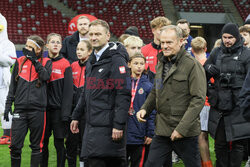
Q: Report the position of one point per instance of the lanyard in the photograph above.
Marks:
(133, 92)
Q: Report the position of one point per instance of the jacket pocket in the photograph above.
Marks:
(101, 117)
(179, 83)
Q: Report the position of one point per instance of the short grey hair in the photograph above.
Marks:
(178, 30)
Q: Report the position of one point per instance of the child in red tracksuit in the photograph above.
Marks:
(138, 134)
(60, 95)
(28, 91)
(83, 51)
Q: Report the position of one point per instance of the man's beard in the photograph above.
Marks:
(85, 33)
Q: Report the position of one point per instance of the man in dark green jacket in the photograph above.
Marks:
(178, 96)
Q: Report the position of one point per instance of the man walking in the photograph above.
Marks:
(178, 96)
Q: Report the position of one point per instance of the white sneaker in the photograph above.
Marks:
(175, 157)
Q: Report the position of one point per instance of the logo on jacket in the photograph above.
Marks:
(100, 70)
(122, 69)
(57, 71)
(141, 91)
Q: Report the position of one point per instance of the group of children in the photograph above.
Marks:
(46, 90)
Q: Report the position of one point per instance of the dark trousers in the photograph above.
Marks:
(228, 154)
(59, 129)
(73, 142)
(107, 162)
(161, 150)
(134, 154)
(22, 121)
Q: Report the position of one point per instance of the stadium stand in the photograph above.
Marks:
(122, 14)
(243, 7)
(213, 6)
(27, 17)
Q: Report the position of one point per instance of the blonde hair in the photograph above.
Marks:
(133, 40)
(199, 44)
(83, 17)
(159, 22)
(244, 29)
(123, 37)
(53, 34)
(88, 44)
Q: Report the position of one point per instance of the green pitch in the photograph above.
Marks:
(26, 151)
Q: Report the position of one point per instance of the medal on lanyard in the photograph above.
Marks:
(133, 92)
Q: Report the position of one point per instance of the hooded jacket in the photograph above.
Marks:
(106, 98)
(238, 64)
(7, 54)
(137, 131)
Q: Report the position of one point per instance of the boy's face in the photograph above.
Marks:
(137, 66)
(132, 49)
(246, 36)
(54, 45)
(82, 51)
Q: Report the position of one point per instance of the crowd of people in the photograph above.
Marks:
(125, 103)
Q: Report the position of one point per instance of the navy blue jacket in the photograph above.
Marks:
(136, 131)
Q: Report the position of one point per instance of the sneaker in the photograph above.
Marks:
(175, 157)
(5, 140)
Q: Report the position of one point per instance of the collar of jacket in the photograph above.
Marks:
(143, 78)
(233, 49)
(57, 58)
(155, 46)
(74, 38)
(175, 58)
(82, 63)
(116, 49)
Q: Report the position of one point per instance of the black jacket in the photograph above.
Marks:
(24, 91)
(60, 88)
(106, 98)
(69, 47)
(236, 62)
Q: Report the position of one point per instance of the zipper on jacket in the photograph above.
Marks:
(29, 84)
(80, 78)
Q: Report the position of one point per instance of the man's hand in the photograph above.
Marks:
(74, 126)
(148, 140)
(117, 134)
(175, 136)
(140, 115)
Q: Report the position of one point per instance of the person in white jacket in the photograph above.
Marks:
(7, 59)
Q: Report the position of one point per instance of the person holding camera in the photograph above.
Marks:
(228, 65)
